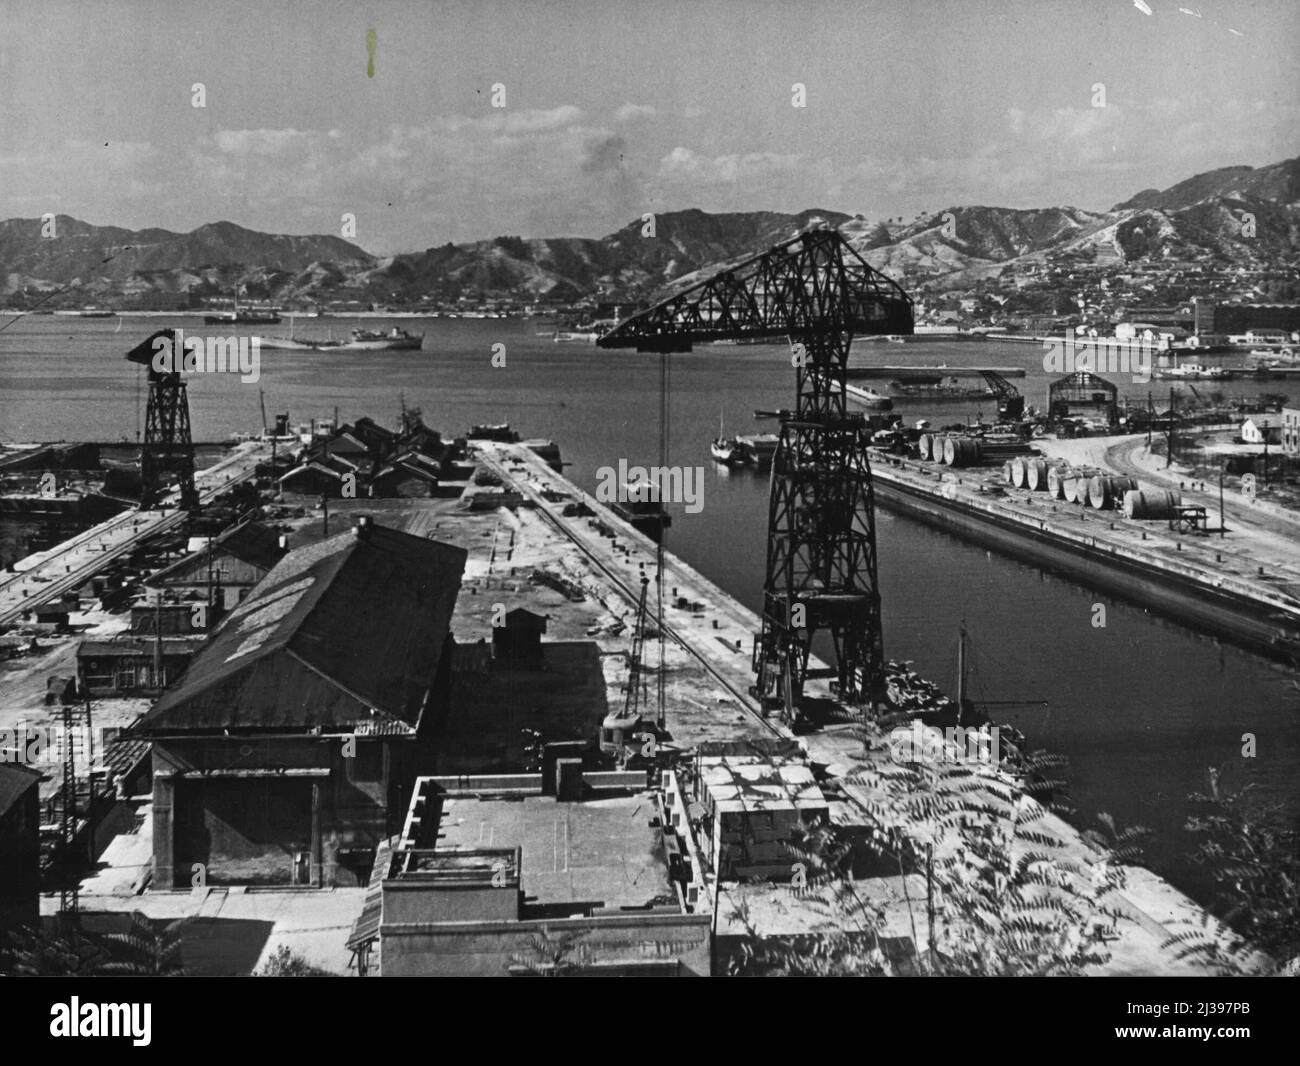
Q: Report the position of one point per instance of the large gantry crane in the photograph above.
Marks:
(818, 292)
(167, 451)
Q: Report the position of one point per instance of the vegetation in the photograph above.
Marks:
(47, 952)
(284, 963)
(1254, 858)
(1003, 894)
(553, 955)
(144, 950)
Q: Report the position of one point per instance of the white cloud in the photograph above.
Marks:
(629, 112)
(263, 141)
(684, 164)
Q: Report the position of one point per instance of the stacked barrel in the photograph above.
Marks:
(1070, 483)
(959, 451)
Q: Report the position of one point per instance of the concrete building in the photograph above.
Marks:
(20, 845)
(498, 701)
(287, 752)
(1282, 318)
(489, 887)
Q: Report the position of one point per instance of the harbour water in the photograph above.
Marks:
(1140, 708)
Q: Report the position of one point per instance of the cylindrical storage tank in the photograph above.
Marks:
(1152, 503)
(926, 445)
(1056, 482)
(1036, 471)
(1006, 472)
(1018, 473)
(1106, 491)
(961, 451)
(1070, 488)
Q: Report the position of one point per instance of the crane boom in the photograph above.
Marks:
(814, 281)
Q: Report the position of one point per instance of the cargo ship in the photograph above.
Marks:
(360, 340)
(947, 390)
(246, 316)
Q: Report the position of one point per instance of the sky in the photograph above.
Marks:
(616, 108)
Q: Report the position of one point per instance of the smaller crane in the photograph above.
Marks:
(1011, 405)
(619, 727)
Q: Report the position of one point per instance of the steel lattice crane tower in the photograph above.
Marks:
(167, 449)
(818, 292)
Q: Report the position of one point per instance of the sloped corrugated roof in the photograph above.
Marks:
(250, 542)
(15, 780)
(337, 630)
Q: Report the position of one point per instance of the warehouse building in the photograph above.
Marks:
(288, 750)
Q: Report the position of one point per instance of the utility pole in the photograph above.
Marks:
(69, 885)
(1223, 517)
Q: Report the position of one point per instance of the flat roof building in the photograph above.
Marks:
(487, 886)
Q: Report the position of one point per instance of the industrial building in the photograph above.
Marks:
(287, 752)
(233, 562)
(1083, 395)
(133, 665)
(491, 878)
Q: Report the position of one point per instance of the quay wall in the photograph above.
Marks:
(1181, 593)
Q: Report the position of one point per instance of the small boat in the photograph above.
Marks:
(758, 448)
(88, 312)
(870, 398)
(725, 449)
(1191, 371)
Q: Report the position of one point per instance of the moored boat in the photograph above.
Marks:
(725, 449)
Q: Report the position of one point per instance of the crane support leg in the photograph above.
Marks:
(821, 551)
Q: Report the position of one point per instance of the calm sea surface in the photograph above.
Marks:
(1141, 708)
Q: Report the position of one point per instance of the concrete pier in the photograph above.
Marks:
(1152, 910)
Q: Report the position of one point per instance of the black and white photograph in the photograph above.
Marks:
(644, 488)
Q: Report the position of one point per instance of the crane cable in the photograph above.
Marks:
(664, 425)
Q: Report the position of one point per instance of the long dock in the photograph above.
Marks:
(1243, 589)
(47, 575)
(719, 636)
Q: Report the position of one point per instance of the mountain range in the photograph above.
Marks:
(1234, 215)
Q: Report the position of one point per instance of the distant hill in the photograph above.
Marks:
(1202, 217)
(1207, 217)
(111, 260)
